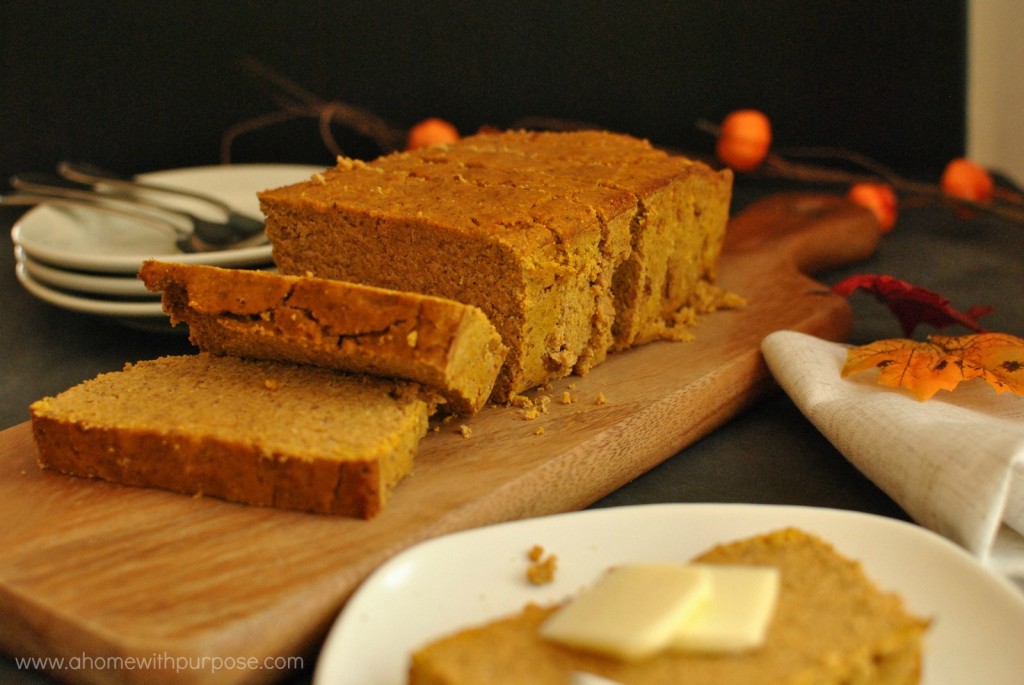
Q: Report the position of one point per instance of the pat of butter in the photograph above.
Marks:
(631, 612)
(582, 678)
(737, 617)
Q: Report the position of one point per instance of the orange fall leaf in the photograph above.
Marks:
(942, 362)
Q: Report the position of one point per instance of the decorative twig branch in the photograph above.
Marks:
(1006, 203)
(294, 102)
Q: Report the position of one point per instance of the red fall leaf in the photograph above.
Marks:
(911, 304)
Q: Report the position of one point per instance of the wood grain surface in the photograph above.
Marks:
(102, 570)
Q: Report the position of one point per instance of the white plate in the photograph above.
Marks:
(126, 285)
(111, 285)
(121, 309)
(96, 240)
(467, 578)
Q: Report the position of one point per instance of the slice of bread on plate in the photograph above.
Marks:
(831, 626)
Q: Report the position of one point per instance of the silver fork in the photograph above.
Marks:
(105, 190)
(186, 240)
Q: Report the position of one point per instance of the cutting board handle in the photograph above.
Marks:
(809, 232)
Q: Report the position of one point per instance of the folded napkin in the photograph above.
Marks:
(955, 462)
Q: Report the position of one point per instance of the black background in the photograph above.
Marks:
(140, 86)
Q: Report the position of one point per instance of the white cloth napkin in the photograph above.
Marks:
(955, 462)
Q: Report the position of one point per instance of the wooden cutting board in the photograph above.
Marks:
(101, 570)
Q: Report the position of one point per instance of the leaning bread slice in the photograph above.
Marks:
(257, 432)
(440, 343)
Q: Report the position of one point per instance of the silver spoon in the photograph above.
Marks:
(84, 172)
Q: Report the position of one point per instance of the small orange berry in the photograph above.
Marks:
(967, 180)
(743, 139)
(432, 131)
(880, 198)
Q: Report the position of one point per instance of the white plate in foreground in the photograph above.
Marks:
(97, 240)
(455, 581)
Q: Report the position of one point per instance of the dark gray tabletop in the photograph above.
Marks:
(768, 454)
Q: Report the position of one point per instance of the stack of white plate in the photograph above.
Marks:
(86, 260)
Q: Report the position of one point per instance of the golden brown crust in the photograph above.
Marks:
(440, 343)
(573, 244)
(832, 626)
(257, 432)
(226, 470)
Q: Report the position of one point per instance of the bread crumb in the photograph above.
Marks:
(539, 430)
(541, 570)
(411, 339)
(320, 178)
(568, 398)
(521, 401)
(465, 431)
(600, 399)
(531, 413)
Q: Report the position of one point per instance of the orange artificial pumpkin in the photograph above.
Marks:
(743, 139)
(432, 131)
(880, 198)
(967, 180)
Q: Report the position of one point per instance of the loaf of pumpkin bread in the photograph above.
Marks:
(574, 245)
(445, 345)
(258, 432)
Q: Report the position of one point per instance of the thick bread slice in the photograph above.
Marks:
(832, 626)
(448, 346)
(258, 432)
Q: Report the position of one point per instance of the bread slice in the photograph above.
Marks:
(440, 343)
(832, 626)
(573, 244)
(259, 432)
